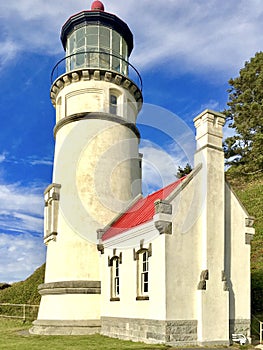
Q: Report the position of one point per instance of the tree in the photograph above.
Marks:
(245, 112)
(183, 171)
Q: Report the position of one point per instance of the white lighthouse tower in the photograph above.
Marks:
(97, 166)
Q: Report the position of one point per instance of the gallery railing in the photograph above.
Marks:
(93, 59)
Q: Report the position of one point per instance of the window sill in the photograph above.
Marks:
(142, 297)
(114, 299)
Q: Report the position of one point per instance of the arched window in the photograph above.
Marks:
(114, 263)
(142, 257)
(144, 272)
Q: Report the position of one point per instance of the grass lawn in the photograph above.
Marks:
(13, 335)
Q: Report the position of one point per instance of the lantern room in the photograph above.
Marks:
(97, 39)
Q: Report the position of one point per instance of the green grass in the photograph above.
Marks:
(14, 335)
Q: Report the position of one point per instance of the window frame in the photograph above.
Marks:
(143, 272)
(113, 105)
(114, 264)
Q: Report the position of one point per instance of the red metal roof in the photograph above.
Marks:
(140, 212)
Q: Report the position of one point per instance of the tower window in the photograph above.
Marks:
(113, 104)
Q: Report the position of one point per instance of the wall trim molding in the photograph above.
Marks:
(70, 287)
(96, 115)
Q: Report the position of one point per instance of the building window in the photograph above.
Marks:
(113, 104)
(145, 273)
(142, 257)
(114, 263)
(116, 281)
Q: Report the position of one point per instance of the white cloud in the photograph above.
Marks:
(18, 222)
(20, 255)
(41, 162)
(2, 157)
(211, 104)
(31, 160)
(16, 199)
(187, 35)
(160, 165)
(21, 226)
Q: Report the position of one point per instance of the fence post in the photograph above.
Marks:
(24, 312)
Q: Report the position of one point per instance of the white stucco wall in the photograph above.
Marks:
(128, 306)
(70, 307)
(183, 253)
(94, 96)
(238, 257)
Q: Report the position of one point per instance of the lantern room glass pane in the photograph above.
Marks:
(80, 58)
(116, 41)
(71, 43)
(124, 50)
(80, 37)
(104, 38)
(92, 36)
(104, 60)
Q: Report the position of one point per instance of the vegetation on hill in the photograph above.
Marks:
(243, 152)
(249, 189)
(4, 285)
(24, 292)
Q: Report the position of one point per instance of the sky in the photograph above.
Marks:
(185, 50)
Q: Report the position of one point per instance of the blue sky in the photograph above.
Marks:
(185, 50)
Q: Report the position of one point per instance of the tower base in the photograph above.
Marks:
(65, 327)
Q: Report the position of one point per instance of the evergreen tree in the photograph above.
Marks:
(183, 171)
(245, 111)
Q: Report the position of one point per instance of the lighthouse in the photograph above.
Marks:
(97, 95)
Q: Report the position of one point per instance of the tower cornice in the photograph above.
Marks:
(95, 74)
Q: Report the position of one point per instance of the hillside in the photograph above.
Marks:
(249, 189)
(24, 292)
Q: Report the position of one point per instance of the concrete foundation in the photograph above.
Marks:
(150, 331)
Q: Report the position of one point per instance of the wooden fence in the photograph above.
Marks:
(26, 312)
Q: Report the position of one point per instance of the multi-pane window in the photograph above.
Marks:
(145, 273)
(97, 47)
(142, 257)
(114, 263)
(117, 278)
